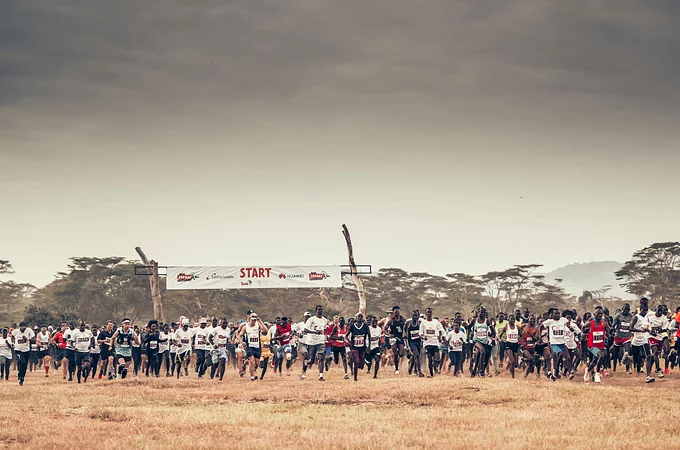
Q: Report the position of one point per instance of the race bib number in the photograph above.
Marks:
(358, 341)
(153, 344)
(375, 338)
(625, 326)
(482, 332)
(457, 345)
(184, 341)
(254, 340)
(429, 332)
(341, 337)
(598, 336)
(557, 331)
(415, 334)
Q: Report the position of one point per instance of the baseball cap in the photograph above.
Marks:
(203, 320)
(307, 314)
(253, 316)
(185, 321)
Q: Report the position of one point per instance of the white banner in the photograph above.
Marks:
(260, 277)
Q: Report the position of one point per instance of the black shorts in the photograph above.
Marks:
(59, 354)
(124, 358)
(514, 346)
(105, 353)
(414, 346)
(640, 351)
(338, 352)
(538, 349)
(82, 357)
(43, 353)
(253, 351)
(432, 351)
(70, 355)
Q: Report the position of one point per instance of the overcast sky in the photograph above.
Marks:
(449, 136)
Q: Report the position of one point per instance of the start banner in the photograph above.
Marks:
(260, 277)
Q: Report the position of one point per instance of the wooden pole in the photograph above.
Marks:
(353, 270)
(154, 281)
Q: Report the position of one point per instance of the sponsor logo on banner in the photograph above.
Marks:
(215, 276)
(283, 276)
(318, 276)
(246, 283)
(183, 277)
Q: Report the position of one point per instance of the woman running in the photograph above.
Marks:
(531, 336)
(510, 333)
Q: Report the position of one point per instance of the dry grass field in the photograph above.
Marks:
(391, 412)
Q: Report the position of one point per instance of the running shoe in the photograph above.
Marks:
(303, 376)
(597, 377)
(321, 379)
(346, 377)
(586, 376)
(649, 380)
(666, 371)
(552, 377)
(396, 372)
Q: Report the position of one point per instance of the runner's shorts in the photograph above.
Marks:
(218, 353)
(254, 351)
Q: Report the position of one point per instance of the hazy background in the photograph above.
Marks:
(449, 136)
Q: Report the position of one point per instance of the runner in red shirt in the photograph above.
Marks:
(283, 335)
(598, 332)
(338, 345)
(59, 343)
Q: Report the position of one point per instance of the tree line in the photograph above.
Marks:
(98, 289)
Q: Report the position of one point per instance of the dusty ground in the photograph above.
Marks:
(391, 412)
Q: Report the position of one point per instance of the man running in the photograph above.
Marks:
(375, 332)
(598, 330)
(556, 328)
(83, 340)
(151, 349)
(252, 333)
(95, 351)
(337, 338)
(432, 332)
(639, 345)
(358, 337)
(658, 329)
(482, 331)
(183, 339)
(394, 328)
(164, 341)
(42, 340)
(412, 328)
(202, 346)
(283, 336)
(107, 351)
(124, 337)
(6, 347)
(70, 350)
(220, 340)
(23, 337)
(531, 336)
(314, 330)
(455, 340)
(622, 337)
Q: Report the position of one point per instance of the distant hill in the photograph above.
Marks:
(590, 276)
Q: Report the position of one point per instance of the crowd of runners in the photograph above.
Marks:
(554, 343)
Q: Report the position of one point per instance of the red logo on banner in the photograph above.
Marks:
(316, 276)
(181, 277)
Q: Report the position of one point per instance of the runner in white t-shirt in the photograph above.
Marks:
(83, 341)
(315, 329)
(431, 332)
(6, 347)
(183, 339)
(23, 337)
(456, 339)
(556, 326)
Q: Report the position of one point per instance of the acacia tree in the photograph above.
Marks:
(653, 271)
(12, 293)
